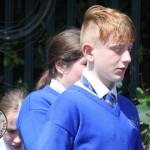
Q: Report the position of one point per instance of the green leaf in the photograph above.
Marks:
(20, 81)
(18, 61)
(144, 113)
(40, 50)
(119, 85)
(143, 96)
(6, 61)
(8, 49)
(25, 85)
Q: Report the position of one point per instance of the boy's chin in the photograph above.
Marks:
(118, 79)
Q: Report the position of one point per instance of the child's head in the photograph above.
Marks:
(64, 52)
(107, 36)
(108, 21)
(10, 105)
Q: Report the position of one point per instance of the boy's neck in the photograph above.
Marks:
(111, 86)
(105, 82)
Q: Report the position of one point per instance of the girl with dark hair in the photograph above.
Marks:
(65, 65)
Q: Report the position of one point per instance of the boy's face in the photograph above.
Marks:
(110, 61)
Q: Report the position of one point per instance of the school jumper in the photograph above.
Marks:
(32, 115)
(86, 122)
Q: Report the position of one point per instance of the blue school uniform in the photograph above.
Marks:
(33, 111)
(81, 120)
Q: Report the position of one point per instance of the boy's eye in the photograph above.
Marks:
(130, 49)
(117, 48)
(120, 49)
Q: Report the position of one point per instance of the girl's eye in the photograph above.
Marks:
(10, 130)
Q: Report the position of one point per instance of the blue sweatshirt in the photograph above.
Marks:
(32, 115)
(80, 120)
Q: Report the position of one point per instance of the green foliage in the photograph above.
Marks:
(45, 37)
(145, 135)
(144, 113)
(12, 58)
(143, 97)
(123, 87)
(22, 84)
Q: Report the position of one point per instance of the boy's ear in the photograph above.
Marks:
(60, 66)
(87, 50)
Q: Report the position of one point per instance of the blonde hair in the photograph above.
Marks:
(108, 21)
(12, 100)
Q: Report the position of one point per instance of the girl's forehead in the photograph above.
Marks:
(11, 117)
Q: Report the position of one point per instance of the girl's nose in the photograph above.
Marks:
(17, 139)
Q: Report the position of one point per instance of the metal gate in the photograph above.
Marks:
(47, 9)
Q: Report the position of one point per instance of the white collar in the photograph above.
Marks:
(3, 145)
(57, 86)
(98, 86)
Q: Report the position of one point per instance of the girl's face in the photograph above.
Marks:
(74, 72)
(11, 137)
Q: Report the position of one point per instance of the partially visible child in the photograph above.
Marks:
(65, 65)
(10, 105)
(90, 115)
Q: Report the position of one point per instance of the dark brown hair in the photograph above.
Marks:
(65, 46)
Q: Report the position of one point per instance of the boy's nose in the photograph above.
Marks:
(126, 57)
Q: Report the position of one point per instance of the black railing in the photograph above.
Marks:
(50, 26)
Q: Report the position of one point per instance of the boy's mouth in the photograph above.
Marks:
(122, 69)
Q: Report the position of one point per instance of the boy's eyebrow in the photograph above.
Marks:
(119, 44)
